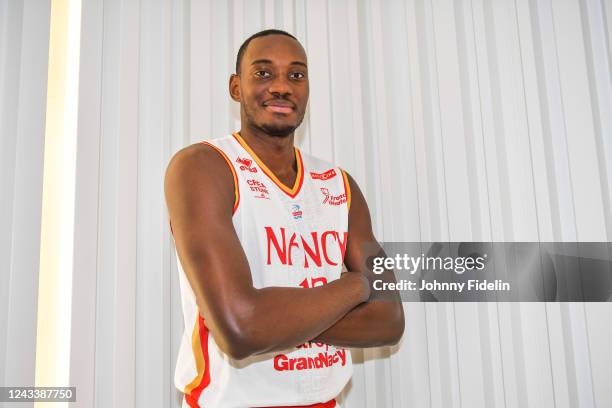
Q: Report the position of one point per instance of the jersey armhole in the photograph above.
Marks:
(234, 175)
(347, 189)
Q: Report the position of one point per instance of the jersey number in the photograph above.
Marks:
(313, 282)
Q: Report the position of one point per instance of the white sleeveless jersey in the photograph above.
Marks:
(292, 237)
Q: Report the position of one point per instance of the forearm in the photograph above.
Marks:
(371, 324)
(276, 318)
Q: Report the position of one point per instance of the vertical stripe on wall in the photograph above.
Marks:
(24, 52)
(85, 325)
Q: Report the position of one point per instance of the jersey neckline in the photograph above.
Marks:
(299, 179)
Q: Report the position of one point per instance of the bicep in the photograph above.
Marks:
(361, 240)
(362, 247)
(199, 195)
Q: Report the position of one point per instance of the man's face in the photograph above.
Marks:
(273, 85)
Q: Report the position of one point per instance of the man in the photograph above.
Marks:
(261, 232)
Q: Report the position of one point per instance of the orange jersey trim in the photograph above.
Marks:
(199, 343)
(299, 179)
(347, 189)
(231, 166)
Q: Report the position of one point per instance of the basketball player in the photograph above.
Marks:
(261, 232)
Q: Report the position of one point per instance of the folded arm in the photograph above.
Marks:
(377, 322)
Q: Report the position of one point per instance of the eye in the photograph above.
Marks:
(262, 74)
(297, 75)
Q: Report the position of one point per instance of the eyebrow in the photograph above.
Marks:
(267, 61)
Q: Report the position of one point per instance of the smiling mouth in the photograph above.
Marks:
(279, 109)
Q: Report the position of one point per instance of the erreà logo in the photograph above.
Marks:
(331, 173)
(319, 247)
(245, 164)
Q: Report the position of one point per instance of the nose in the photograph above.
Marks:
(280, 86)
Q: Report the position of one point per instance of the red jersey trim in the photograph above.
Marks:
(328, 404)
(299, 179)
(231, 166)
(200, 351)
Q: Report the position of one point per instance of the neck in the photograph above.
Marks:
(276, 152)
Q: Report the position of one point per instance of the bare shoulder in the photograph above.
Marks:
(198, 158)
(359, 207)
(359, 225)
(198, 173)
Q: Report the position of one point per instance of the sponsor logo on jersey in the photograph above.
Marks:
(319, 247)
(322, 360)
(246, 164)
(259, 188)
(330, 199)
(331, 173)
(296, 212)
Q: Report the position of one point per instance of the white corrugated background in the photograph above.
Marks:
(461, 120)
(24, 52)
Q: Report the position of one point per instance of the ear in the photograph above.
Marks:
(234, 87)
